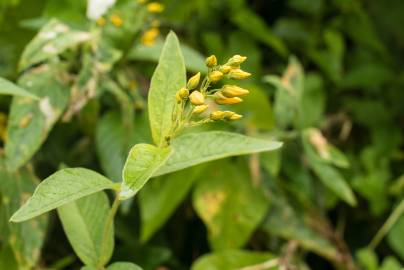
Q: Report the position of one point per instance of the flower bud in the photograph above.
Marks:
(217, 115)
(194, 81)
(155, 7)
(215, 76)
(228, 114)
(228, 101)
(238, 74)
(233, 91)
(235, 117)
(182, 94)
(225, 69)
(199, 109)
(197, 98)
(236, 60)
(211, 61)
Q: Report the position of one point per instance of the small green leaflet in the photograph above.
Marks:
(167, 79)
(123, 266)
(142, 162)
(62, 187)
(195, 148)
(8, 88)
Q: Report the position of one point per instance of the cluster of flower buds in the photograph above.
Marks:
(198, 96)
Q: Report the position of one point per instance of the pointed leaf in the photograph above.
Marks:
(142, 162)
(62, 187)
(8, 88)
(167, 79)
(123, 266)
(195, 148)
(83, 222)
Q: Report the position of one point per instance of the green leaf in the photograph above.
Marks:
(167, 79)
(62, 187)
(25, 239)
(159, 199)
(195, 148)
(229, 205)
(53, 39)
(31, 120)
(8, 88)
(84, 221)
(395, 237)
(142, 162)
(123, 266)
(231, 260)
(194, 61)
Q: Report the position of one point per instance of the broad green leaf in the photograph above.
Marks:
(142, 162)
(123, 266)
(231, 260)
(25, 239)
(229, 205)
(312, 101)
(330, 176)
(62, 187)
(195, 148)
(159, 199)
(31, 120)
(8, 88)
(194, 61)
(84, 221)
(167, 79)
(54, 38)
(391, 263)
(395, 237)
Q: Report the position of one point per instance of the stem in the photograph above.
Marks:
(387, 225)
(262, 266)
(108, 225)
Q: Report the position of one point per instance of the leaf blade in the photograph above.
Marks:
(8, 88)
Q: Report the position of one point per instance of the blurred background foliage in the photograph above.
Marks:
(327, 80)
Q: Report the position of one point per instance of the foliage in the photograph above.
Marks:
(298, 166)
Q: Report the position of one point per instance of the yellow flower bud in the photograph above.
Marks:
(155, 7)
(197, 98)
(235, 117)
(228, 101)
(149, 37)
(228, 114)
(182, 94)
(236, 60)
(101, 21)
(225, 69)
(233, 91)
(238, 74)
(217, 115)
(116, 20)
(194, 81)
(200, 109)
(211, 61)
(215, 76)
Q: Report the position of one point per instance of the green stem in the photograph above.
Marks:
(387, 225)
(108, 225)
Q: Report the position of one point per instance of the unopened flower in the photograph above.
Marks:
(236, 60)
(217, 115)
(197, 98)
(194, 81)
(228, 101)
(235, 117)
(155, 7)
(200, 109)
(182, 94)
(101, 21)
(233, 91)
(238, 74)
(116, 20)
(215, 76)
(149, 37)
(211, 61)
(225, 69)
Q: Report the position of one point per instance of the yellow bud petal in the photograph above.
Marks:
(217, 115)
(149, 37)
(197, 98)
(235, 117)
(238, 74)
(228, 101)
(233, 91)
(211, 61)
(116, 20)
(225, 69)
(155, 7)
(236, 60)
(101, 21)
(215, 76)
(194, 81)
(200, 109)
